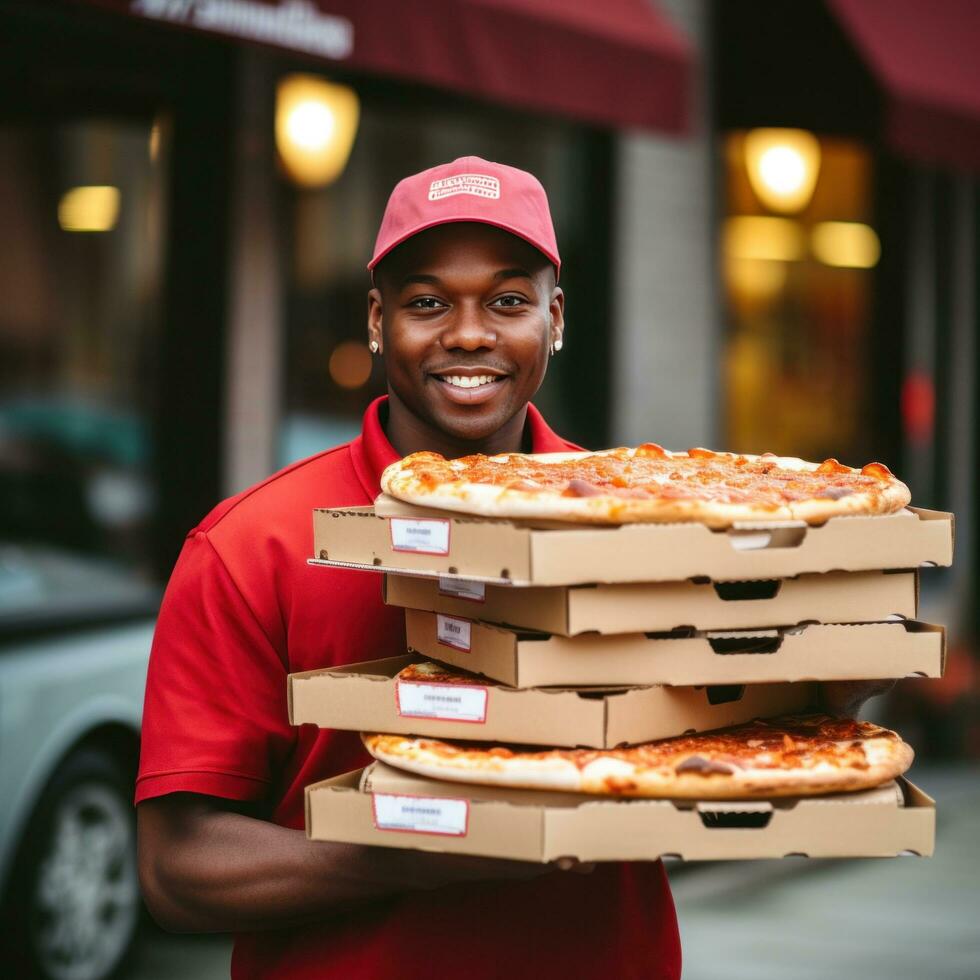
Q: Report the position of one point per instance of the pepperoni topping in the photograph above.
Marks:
(582, 488)
(833, 466)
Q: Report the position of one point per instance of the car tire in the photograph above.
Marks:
(72, 906)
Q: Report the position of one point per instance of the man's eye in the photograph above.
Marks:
(509, 302)
(426, 303)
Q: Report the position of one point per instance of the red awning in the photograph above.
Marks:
(926, 55)
(612, 62)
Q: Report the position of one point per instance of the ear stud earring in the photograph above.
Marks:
(373, 347)
(556, 346)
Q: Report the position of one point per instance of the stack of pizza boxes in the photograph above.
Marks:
(586, 636)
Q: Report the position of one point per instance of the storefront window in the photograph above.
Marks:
(81, 207)
(798, 252)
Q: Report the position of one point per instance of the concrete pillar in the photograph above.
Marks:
(254, 353)
(665, 285)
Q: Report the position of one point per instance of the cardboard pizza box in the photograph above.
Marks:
(391, 536)
(385, 807)
(811, 652)
(367, 697)
(644, 607)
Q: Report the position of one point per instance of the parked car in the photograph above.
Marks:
(75, 636)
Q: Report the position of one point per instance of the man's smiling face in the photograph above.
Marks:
(464, 314)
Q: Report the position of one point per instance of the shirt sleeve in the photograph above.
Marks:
(215, 719)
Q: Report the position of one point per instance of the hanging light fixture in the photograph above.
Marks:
(783, 165)
(316, 122)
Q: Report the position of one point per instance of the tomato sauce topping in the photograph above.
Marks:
(650, 473)
(789, 742)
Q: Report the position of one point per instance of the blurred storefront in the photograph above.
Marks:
(194, 319)
(849, 237)
(767, 211)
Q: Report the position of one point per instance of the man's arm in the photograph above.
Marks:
(205, 866)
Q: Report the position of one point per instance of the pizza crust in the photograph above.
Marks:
(402, 480)
(885, 757)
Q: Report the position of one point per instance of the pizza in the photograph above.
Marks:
(794, 755)
(645, 484)
(428, 672)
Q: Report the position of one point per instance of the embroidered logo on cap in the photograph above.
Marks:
(479, 185)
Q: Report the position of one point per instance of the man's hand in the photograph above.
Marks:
(206, 866)
(845, 698)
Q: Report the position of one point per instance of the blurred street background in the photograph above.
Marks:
(769, 217)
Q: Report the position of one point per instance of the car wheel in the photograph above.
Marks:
(73, 903)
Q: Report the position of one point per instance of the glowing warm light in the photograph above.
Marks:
(756, 237)
(755, 281)
(783, 165)
(846, 244)
(316, 122)
(350, 364)
(310, 125)
(92, 208)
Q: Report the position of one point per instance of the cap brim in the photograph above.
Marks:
(553, 258)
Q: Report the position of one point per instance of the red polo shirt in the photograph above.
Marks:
(242, 610)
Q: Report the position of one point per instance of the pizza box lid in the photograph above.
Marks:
(643, 607)
(394, 536)
(811, 652)
(367, 697)
(384, 807)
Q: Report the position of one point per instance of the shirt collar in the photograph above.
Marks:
(371, 452)
(543, 438)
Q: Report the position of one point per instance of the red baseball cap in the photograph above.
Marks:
(468, 189)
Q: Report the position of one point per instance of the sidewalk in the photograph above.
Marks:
(890, 919)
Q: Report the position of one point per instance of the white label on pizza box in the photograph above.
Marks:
(422, 535)
(443, 702)
(421, 814)
(452, 632)
(460, 588)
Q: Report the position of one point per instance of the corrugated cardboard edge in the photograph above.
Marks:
(910, 827)
(871, 595)
(599, 717)
(515, 657)
(518, 562)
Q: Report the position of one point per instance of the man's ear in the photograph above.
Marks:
(557, 310)
(374, 319)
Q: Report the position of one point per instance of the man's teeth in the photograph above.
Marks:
(463, 382)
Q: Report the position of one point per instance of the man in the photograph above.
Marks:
(465, 310)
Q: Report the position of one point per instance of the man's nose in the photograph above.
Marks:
(469, 328)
